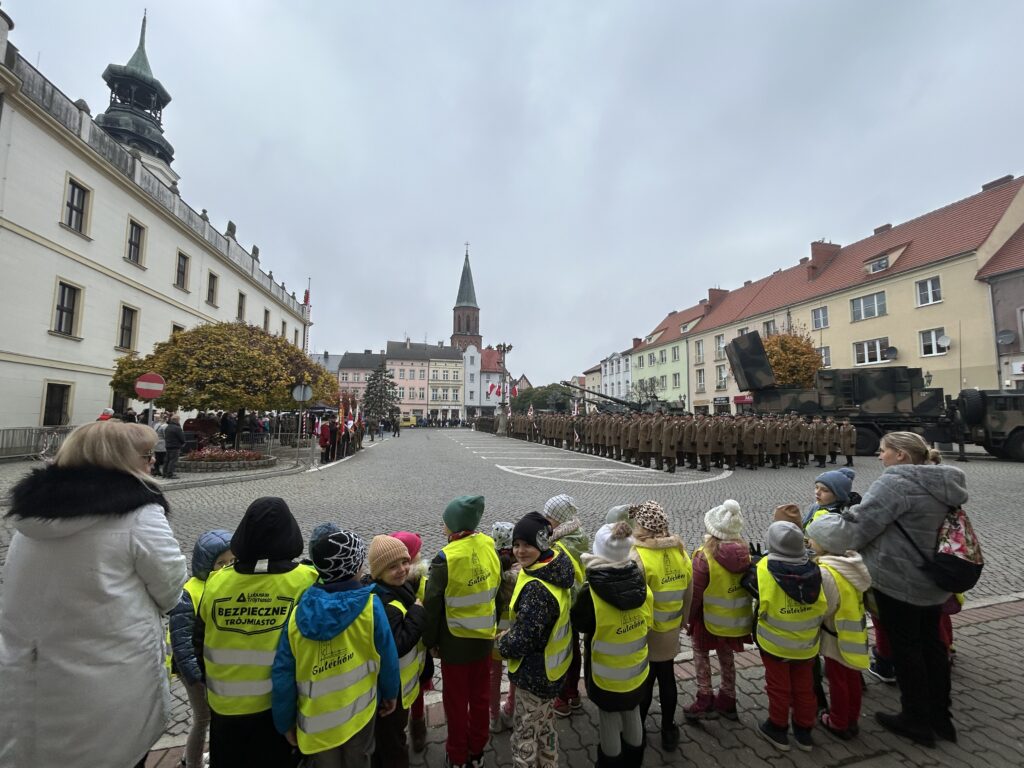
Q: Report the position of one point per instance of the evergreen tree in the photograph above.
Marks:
(380, 399)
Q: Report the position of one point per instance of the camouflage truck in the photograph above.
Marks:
(618, 405)
(889, 399)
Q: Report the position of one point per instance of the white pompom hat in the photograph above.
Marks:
(725, 521)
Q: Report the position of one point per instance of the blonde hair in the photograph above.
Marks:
(110, 445)
(913, 445)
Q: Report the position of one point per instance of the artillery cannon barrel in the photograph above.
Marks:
(626, 403)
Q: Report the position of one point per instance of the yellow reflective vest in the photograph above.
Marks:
(786, 628)
(474, 573)
(618, 648)
(244, 615)
(850, 622)
(194, 587)
(668, 572)
(336, 683)
(728, 607)
(410, 666)
(577, 568)
(557, 653)
(820, 512)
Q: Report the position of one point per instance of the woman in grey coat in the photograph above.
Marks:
(916, 491)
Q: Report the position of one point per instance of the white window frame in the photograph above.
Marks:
(720, 346)
(675, 381)
(769, 327)
(930, 338)
(826, 356)
(662, 356)
(859, 304)
(701, 385)
(878, 346)
(878, 265)
(698, 351)
(721, 377)
(933, 287)
(819, 318)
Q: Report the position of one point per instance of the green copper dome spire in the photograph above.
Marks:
(467, 293)
(139, 61)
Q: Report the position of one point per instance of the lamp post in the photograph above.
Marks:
(503, 349)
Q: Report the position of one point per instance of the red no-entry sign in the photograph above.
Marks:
(149, 386)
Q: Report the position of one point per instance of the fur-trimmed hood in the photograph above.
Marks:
(62, 493)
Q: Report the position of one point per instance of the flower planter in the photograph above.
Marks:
(226, 466)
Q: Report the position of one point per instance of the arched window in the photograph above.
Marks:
(458, 323)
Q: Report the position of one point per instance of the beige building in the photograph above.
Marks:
(916, 294)
(592, 376)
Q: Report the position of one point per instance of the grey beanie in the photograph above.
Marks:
(786, 542)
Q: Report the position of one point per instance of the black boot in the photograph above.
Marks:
(632, 757)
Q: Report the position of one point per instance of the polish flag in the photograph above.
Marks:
(490, 389)
(497, 391)
(515, 390)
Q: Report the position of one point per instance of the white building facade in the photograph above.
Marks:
(616, 378)
(101, 256)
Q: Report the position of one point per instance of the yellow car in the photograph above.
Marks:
(407, 421)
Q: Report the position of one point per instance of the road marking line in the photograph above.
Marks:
(514, 471)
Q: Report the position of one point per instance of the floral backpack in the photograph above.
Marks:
(957, 562)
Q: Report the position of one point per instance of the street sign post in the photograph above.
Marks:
(149, 386)
(301, 393)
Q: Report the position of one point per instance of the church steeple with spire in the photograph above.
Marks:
(466, 314)
(135, 114)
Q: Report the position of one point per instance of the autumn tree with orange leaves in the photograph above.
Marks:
(794, 358)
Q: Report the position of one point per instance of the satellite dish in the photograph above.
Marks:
(890, 353)
(944, 341)
(1005, 338)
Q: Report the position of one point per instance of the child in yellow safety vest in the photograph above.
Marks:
(791, 607)
(665, 564)
(721, 617)
(389, 570)
(501, 712)
(537, 640)
(212, 552)
(336, 669)
(417, 580)
(844, 638)
(833, 492)
(615, 613)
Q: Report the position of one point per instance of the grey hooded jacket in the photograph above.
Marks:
(918, 496)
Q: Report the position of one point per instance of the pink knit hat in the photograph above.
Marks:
(412, 542)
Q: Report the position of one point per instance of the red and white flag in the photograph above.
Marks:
(515, 391)
(490, 389)
(498, 391)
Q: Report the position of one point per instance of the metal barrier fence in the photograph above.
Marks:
(25, 442)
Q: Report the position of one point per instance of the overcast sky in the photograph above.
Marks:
(608, 161)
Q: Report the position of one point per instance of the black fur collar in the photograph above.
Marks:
(54, 493)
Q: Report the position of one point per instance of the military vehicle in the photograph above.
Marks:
(880, 400)
(620, 406)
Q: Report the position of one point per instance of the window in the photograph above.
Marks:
(211, 289)
(433, 393)
(930, 342)
(423, 395)
(284, 329)
(401, 393)
(401, 373)
(343, 377)
(355, 376)
(744, 330)
(136, 234)
(455, 394)
(819, 318)
(878, 265)
(618, 388)
(126, 327)
(720, 346)
(240, 314)
(57, 404)
(266, 320)
(663, 382)
(175, 328)
(472, 395)
(455, 375)
(433, 375)
(870, 351)
(65, 321)
(826, 356)
(295, 337)
(444, 374)
(928, 291)
(650, 358)
(698, 351)
(662, 355)
(75, 206)
(768, 326)
(391, 372)
(181, 272)
(639, 361)
(700, 380)
(868, 306)
(721, 377)
(472, 378)
(423, 374)
(675, 381)
(472, 360)
(627, 364)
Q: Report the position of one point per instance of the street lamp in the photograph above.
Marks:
(503, 349)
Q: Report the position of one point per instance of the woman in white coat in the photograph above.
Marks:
(92, 567)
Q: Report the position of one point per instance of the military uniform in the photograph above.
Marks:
(728, 442)
(848, 441)
(703, 442)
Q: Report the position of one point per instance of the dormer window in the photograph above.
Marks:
(878, 265)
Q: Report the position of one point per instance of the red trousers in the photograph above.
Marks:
(465, 694)
(790, 686)
(844, 693)
(881, 639)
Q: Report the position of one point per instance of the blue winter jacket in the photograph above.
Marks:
(325, 611)
(182, 618)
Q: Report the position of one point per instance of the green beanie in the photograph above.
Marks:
(464, 513)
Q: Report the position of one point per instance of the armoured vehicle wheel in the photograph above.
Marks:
(1014, 447)
(867, 441)
(972, 405)
(999, 453)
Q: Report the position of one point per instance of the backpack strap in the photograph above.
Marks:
(912, 542)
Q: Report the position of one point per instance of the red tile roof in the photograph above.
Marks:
(956, 229)
(490, 361)
(669, 327)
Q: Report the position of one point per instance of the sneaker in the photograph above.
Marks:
(561, 707)
(475, 761)
(703, 708)
(826, 722)
(803, 739)
(775, 736)
(726, 706)
(575, 702)
(881, 668)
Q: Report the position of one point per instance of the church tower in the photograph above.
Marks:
(466, 314)
(135, 115)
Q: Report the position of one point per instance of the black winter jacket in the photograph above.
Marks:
(536, 614)
(407, 628)
(625, 588)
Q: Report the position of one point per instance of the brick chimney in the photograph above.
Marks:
(821, 254)
(636, 342)
(715, 296)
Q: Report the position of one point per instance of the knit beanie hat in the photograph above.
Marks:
(619, 514)
(788, 513)
(613, 541)
(339, 555)
(464, 513)
(786, 543)
(839, 481)
(725, 521)
(267, 531)
(412, 542)
(651, 516)
(385, 551)
(321, 531)
(561, 509)
(502, 534)
(534, 530)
